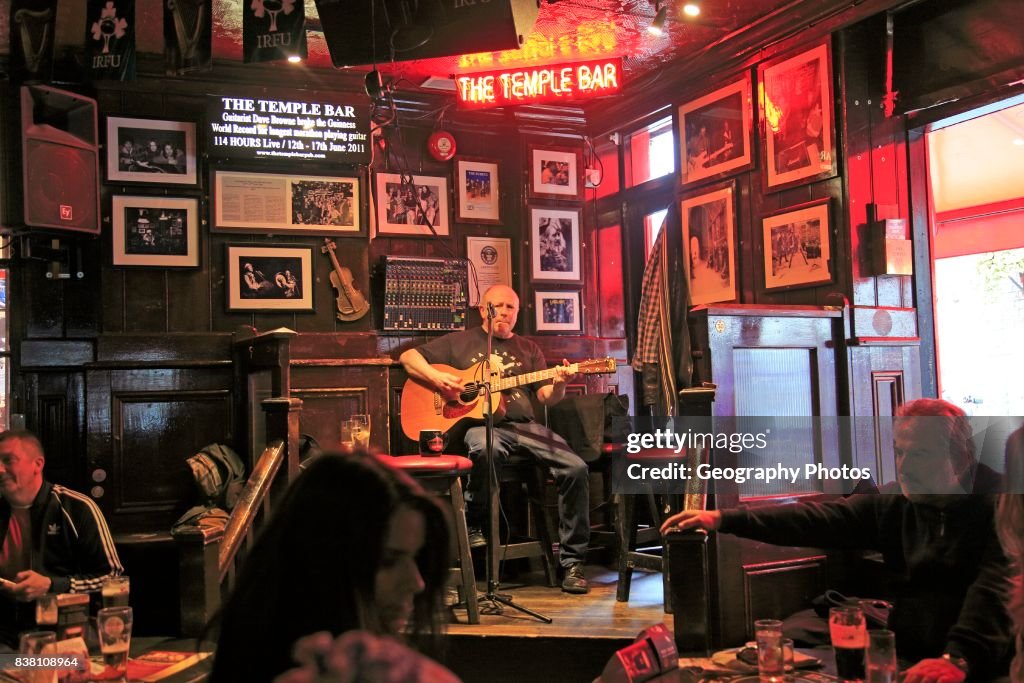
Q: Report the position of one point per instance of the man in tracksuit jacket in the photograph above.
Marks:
(52, 539)
(935, 530)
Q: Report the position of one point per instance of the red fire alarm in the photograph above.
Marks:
(441, 145)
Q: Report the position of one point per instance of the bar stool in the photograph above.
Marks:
(440, 475)
(528, 473)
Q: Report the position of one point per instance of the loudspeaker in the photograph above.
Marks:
(60, 160)
(420, 29)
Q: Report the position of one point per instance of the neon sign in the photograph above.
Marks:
(532, 85)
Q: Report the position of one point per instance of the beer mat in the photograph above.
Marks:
(802, 677)
(726, 660)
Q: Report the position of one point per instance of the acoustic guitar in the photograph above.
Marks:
(424, 407)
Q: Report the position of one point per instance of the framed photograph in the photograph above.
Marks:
(795, 102)
(284, 203)
(411, 208)
(555, 172)
(156, 231)
(490, 261)
(709, 229)
(476, 186)
(717, 133)
(555, 245)
(151, 151)
(269, 277)
(558, 311)
(796, 247)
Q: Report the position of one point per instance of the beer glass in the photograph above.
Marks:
(361, 430)
(788, 656)
(848, 629)
(346, 438)
(37, 643)
(115, 591)
(770, 662)
(114, 625)
(880, 657)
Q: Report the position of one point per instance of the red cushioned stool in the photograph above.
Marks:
(440, 475)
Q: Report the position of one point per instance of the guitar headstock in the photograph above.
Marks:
(329, 245)
(596, 366)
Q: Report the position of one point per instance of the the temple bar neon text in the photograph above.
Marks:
(553, 82)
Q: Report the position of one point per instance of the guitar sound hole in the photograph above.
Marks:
(469, 392)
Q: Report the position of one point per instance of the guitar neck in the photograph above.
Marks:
(531, 377)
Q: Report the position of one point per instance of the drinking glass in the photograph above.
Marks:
(848, 629)
(361, 430)
(37, 643)
(880, 657)
(115, 632)
(347, 437)
(770, 663)
(788, 655)
(115, 591)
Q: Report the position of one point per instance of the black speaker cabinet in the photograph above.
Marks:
(420, 29)
(60, 160)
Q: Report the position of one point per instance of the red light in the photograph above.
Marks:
(550, 83)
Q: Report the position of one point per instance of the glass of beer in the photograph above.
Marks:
(114, 625)
(770, 661)
(361, 430)
(38, 643)
(848, 629)
(346, 437)
(115, 591)
(880, 657)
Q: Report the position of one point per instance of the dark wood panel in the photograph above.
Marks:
(776, 590)
(55, 353)
(156, 348)
(145, 300)
(55, 411)
(332, 393)
(192, 313)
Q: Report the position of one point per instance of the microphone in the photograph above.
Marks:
(491, 314)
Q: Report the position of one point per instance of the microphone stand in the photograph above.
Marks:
(492, 597)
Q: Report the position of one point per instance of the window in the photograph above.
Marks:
(650, 153)
(652, 228)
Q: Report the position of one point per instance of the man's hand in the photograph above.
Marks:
(448, 384)
(934, 671)
(562, 373)
(693, 519)
(30, 586)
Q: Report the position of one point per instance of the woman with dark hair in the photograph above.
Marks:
(1010, 526)
(353, 545)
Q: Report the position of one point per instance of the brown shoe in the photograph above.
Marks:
(575, 580)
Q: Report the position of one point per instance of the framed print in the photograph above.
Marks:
(476, 186)
(795, 101)
(717, 133)
(410, 208)
(555, 172)
(490, 261)
(284, 203)
(709, 229)
(558, 311)
(555, 245)
(156, 231)
(151, 151)
(796, 247)
(269, 277)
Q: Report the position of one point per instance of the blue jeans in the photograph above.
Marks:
(569, 471)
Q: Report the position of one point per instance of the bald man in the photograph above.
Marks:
(517, 432)
(52, 539)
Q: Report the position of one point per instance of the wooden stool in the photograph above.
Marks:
(440, 475)
(630, 538)
(528, 472)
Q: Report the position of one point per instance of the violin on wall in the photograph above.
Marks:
(351, 303)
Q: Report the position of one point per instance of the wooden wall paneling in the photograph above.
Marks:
(112, 299)
(42, 298)
(775, 590)
(331, 393)
(145, 300)
(55, 411)
(134, 415)
(190, 313)
(81, 305)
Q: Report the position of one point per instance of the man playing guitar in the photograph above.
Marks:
(517, 432)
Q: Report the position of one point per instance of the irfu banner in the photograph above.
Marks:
(110, 39)
(273, 30)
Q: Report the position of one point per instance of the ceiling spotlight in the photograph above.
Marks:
(657, 26)
(691, 10)
(294, 59)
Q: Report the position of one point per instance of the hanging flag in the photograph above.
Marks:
(273, 30)
(110, 39)
(33, 23)
(188, 36)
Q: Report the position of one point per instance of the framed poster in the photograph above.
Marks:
(555, 172)
(709, 229)
(795, 101)
(269, 277)
(280, 203)
(156, 231)
(796, 247)
(717, 133)
(411, 205)
(557, 311)
(151, 151)
(555, 245)
(476, 186)
(490, 260)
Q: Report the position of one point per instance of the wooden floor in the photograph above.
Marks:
(594, 615)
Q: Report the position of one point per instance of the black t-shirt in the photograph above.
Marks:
(514, 356)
